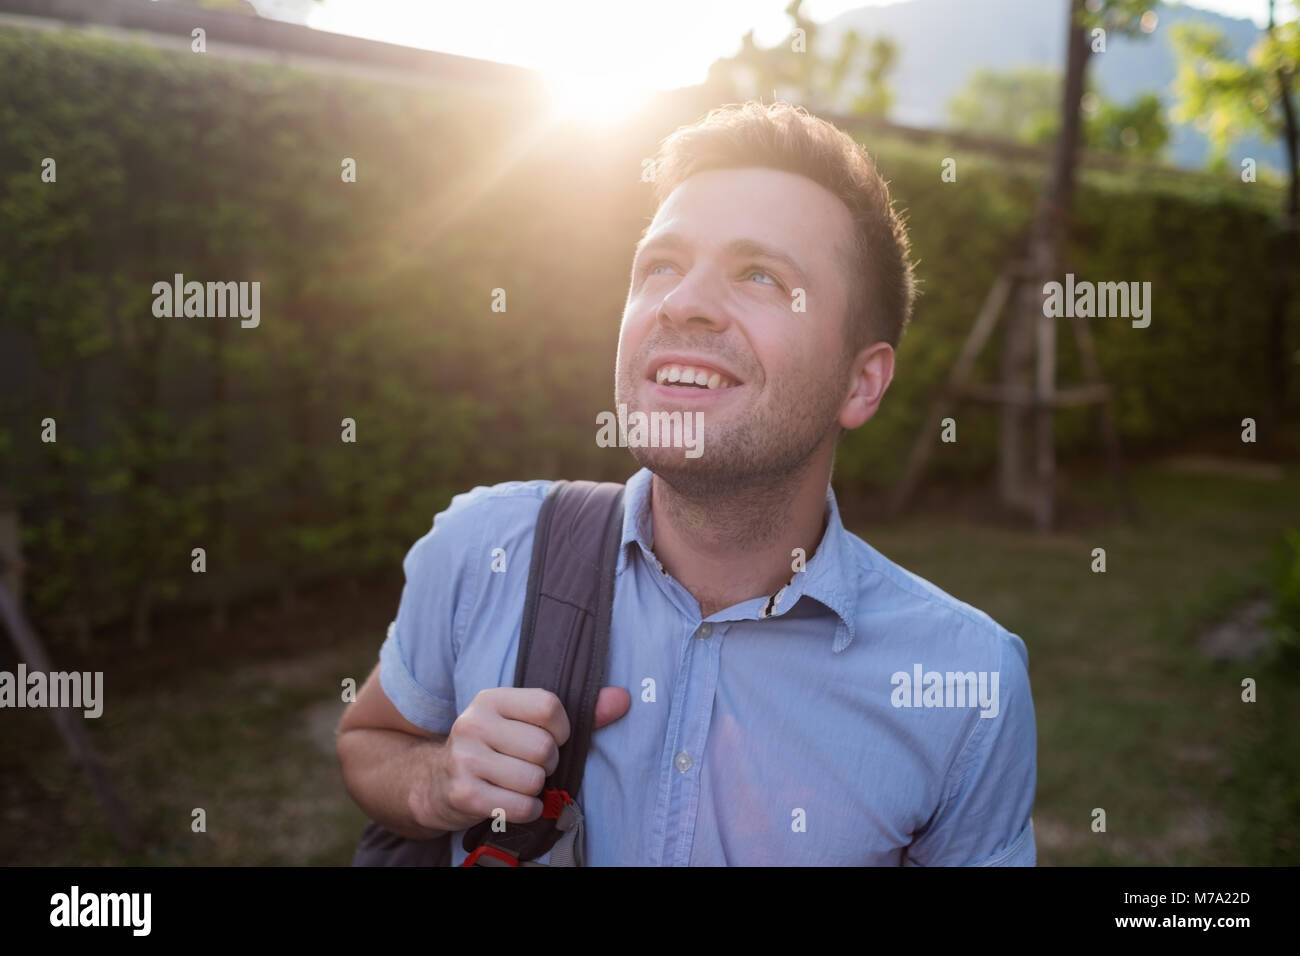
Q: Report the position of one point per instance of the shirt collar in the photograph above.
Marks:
(830, 576)
(637, 527)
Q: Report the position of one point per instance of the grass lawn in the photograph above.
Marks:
(1132, 718)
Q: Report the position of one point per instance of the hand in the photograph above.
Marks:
(499, 753)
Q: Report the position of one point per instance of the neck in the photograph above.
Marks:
(738, 544)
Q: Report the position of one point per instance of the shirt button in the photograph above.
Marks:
(704, 630)
(683, 761)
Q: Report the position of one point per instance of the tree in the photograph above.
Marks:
(795, 70)
(1089, 24)
(880, 56)
(1228, 99)
(229, 6)
(1024, 105)
(1139, 129)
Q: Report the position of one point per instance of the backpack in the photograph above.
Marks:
(563, 643)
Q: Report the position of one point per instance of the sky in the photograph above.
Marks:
(615, 47)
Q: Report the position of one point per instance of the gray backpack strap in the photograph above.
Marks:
(563, 644)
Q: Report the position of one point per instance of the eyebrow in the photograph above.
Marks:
(736, 247)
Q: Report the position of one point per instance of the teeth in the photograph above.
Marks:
(690, 375)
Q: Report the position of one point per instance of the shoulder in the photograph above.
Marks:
(479, 517)
(501, 500)
(894, 600)
(450, 570)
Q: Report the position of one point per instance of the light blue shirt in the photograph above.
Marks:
(867, 718)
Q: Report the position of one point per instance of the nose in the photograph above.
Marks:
(697, 302)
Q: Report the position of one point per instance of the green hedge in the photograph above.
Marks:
(375, 301)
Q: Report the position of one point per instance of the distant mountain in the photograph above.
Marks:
(943, 42)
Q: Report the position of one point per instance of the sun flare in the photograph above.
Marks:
(596, 99)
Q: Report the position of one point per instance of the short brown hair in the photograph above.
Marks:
(781, 136)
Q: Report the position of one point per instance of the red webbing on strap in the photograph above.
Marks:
(554, 802)
(491, 851)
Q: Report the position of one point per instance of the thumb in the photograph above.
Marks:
(611, 704)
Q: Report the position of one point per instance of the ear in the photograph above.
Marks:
(870, 375)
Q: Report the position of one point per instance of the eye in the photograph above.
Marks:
(653, 268)
(771, 279)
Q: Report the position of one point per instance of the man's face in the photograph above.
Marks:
(713, 288)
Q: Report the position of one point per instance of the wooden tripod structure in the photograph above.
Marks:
(70, 728)
(1030, 341)
(1020, 283)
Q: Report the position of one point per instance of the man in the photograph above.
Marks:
(797, 698)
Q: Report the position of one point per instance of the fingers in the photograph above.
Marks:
(506, 744)
(472, 799)
(611, 704)
(510, 759)
(514, 775)
(500, 752)
(525, 743)
(533, 706)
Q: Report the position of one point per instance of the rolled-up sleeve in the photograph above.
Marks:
(417, 662)
(985, 818)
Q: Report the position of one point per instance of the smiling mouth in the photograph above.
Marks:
(675, 374)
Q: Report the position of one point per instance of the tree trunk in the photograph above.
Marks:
(218, 474)
(1029, 348)
(1288, 251)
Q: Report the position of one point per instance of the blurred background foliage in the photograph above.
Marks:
(376, 305)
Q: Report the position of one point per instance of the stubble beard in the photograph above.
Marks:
(757, 450)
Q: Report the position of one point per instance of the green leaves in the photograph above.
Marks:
(375, 299)
(1225, 97)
